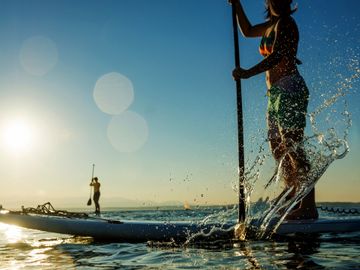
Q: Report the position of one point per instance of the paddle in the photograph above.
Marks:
(92, 176)
(242, 207)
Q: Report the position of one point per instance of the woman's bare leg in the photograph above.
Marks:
(297, 167)
(283, 146)
(275, 141)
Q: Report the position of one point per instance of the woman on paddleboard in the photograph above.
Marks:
(287, 93)
(96, 184)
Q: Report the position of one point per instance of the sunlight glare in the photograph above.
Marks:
(18, 136)
(13, 233)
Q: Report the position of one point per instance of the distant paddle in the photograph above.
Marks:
(92, 176)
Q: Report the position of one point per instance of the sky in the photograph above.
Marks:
(143, 90)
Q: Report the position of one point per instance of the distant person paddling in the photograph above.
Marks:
(287, 92)
(96, 184)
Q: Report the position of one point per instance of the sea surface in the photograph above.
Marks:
(30, 249)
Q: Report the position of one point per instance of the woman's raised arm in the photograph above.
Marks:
(247, 29)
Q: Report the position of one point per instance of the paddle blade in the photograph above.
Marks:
(89, 201)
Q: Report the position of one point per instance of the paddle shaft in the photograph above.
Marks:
(92, 176)
(242, 206)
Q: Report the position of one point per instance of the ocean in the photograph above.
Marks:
(30, 249)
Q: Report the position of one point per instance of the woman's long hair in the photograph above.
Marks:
(282, 7)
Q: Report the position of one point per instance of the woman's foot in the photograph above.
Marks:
(303, 213)
(306, 210)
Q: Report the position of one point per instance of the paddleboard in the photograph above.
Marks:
(141, 231)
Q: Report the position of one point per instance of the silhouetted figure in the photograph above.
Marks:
(287, 92)
(96, 184)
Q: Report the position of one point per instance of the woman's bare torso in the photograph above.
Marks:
(287, 66)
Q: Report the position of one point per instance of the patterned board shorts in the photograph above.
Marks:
(288, 101)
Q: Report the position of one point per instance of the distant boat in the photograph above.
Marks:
(187, 206)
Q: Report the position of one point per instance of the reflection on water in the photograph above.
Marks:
(299, 250)
(12, 233)
(291, 253)
(23, 249)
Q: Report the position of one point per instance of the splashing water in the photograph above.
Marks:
(221, 229)
(327, 143)
(322, 148)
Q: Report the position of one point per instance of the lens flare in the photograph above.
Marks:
(128, 132)
(113, 93)
(38, 55)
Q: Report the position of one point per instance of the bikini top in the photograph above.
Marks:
(266, 44)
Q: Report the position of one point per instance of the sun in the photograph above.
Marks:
(18, 136)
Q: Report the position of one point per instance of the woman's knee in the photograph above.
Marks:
(292, 137)
(277, 149)
(276, 144)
